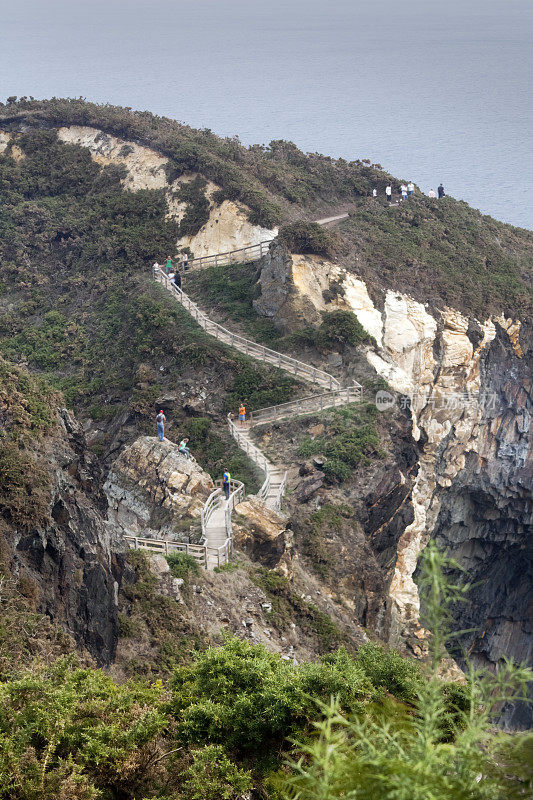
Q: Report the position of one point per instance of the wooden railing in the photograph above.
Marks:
(204, 553)
(257, 456)
(243, 255)
(307, 405)
(258, 351)
(166, 547)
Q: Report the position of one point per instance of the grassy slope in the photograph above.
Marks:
(274, 181)
(444, 252)
(77, 302)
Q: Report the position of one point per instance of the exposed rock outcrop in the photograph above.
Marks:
(263, 534)
(467, 385)
(154, 491)
(73, 561)
(228, 226)
(280, 298)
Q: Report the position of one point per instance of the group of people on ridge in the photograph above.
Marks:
(184, 449)
(406, 190)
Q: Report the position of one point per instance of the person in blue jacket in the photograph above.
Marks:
(226, 478)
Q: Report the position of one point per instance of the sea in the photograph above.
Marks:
(433, 90)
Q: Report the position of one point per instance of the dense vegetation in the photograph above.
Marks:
(269, 180)
(309, 237)
(27, 411)
(436, 250)
(230, 294)
(224, 723)
(79, 305)
(446, 252)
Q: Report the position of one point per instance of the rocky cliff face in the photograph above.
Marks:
(73, 561)
(468, 387)
(153, 491)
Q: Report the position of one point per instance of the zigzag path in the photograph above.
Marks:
(216, 517)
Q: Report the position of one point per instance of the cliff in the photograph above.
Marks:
(56, 545)
(466, 384)
(92, 196)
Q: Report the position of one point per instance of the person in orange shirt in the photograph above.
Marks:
(242, 415)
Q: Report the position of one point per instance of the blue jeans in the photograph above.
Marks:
(184, 451)
(160, 430)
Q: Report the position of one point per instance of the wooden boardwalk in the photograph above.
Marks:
(217, 537)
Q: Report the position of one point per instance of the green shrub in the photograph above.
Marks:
(74, 727)
(239, 695)
(197, 211)
(399, 754)
(340, 329)
(388, 670)
(212, 776)
(337, 470)
(24, 486)
(328, 518)
(351, 438)
(182, 565)
(309, 237)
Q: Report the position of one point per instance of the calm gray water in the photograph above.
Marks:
(434, 90)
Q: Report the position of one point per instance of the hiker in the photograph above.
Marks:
(403, 189)
(156, 268)
(432, 194)
(374, 193)
(242, 415)
(168, 266)
(160, 421)
(440, 190)
(184, 261)
(226, 478)
(410, 188)
(175, 279)
(388, 192)
(184, 449)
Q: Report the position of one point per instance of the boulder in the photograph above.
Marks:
(263, 533)
(307, 488)
(151, 486)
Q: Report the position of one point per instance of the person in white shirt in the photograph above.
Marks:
(374, 192)
(432, 193)
(388, 192)
(411, 187)
(156, 267)
(403, 188)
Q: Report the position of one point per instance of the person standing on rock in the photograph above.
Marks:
(432, 194)
(440, 190)
(403, 189)
(160, 421)
(388, 192)
(242, 415)
(410, 188)
(374, 193)
(183, 449)
(226, 478)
